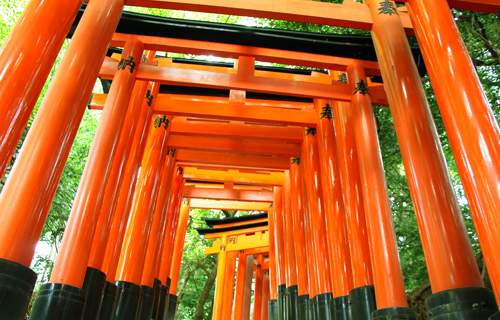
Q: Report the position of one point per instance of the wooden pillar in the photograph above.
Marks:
(257, 301)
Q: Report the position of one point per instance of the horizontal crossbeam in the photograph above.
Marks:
(233, 176)
(186, 127)
(224, 50)
(236, 146)
(355, 15)
(208, 158)
(227, 194)
(245, 82)
(230, 205)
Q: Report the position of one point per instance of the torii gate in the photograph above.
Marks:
(116, 230)
(240, 238)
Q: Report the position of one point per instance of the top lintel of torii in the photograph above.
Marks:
(350, 14)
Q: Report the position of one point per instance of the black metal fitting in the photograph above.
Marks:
(16, 287)
(363, 303)
(394, 313)
(57, 301)
(128, 298)
(340, 308)
(462, 304)
(93, 284)
(108, 301)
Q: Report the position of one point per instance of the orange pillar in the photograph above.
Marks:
(240, 285)
(134, 249)
(291, 263)
(388, 277)
(273, 271)
(179, 244)
(317, 220)
(353, 198)
(299, 226)
(257, 300)
(279, 238)
(317, 212)
(165, 265)
(340, 258)
(160, 219)
(26, 197)
(133, 253)
(127, 190)
(469, 120)
(116, 175)
(265, 296)
(448, 253)
(229, 285)
(247, 297)
(76, 245)
(26, 58)
(221, 274)
(355, 213)
(175, 203)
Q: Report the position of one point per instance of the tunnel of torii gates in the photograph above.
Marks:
(241, 134)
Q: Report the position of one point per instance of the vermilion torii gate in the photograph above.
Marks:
(332, 245)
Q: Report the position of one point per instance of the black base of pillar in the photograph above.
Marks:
(321, 306)
(496, 316)
(172, 307)
(272, 309)
(128, 298)
(461, 304)
(302, 302)
(16, 288)
(107, 301)
(93, 285)
(56, 301)
(146, 304)
(395, 313)
(362, 303)
(292, 295)
(163, 303)
(340, 308)
(280, 314)
(311, 312)
(157, 287)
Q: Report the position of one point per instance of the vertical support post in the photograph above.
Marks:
(280, 250)
(469, 120)
(389, 285)
(26, 58)
(221, 273)
(257, 300)
(291, 263)
(317, 223)
(150, 275)
(177, 254)
(247, 297)
(448, 253)
(340, 258)
(362, 297)
(71, 264)
(240, 285)
(163, 272)
(25, 204)
(116, 176)
(273, 272)
(229, 285)
(122, 211)
(311, 255)
(133, 253)
(265, 296)
(299, 230)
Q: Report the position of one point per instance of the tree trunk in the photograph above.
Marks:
(205, 293)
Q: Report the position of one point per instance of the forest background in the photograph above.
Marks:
(481, 34)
